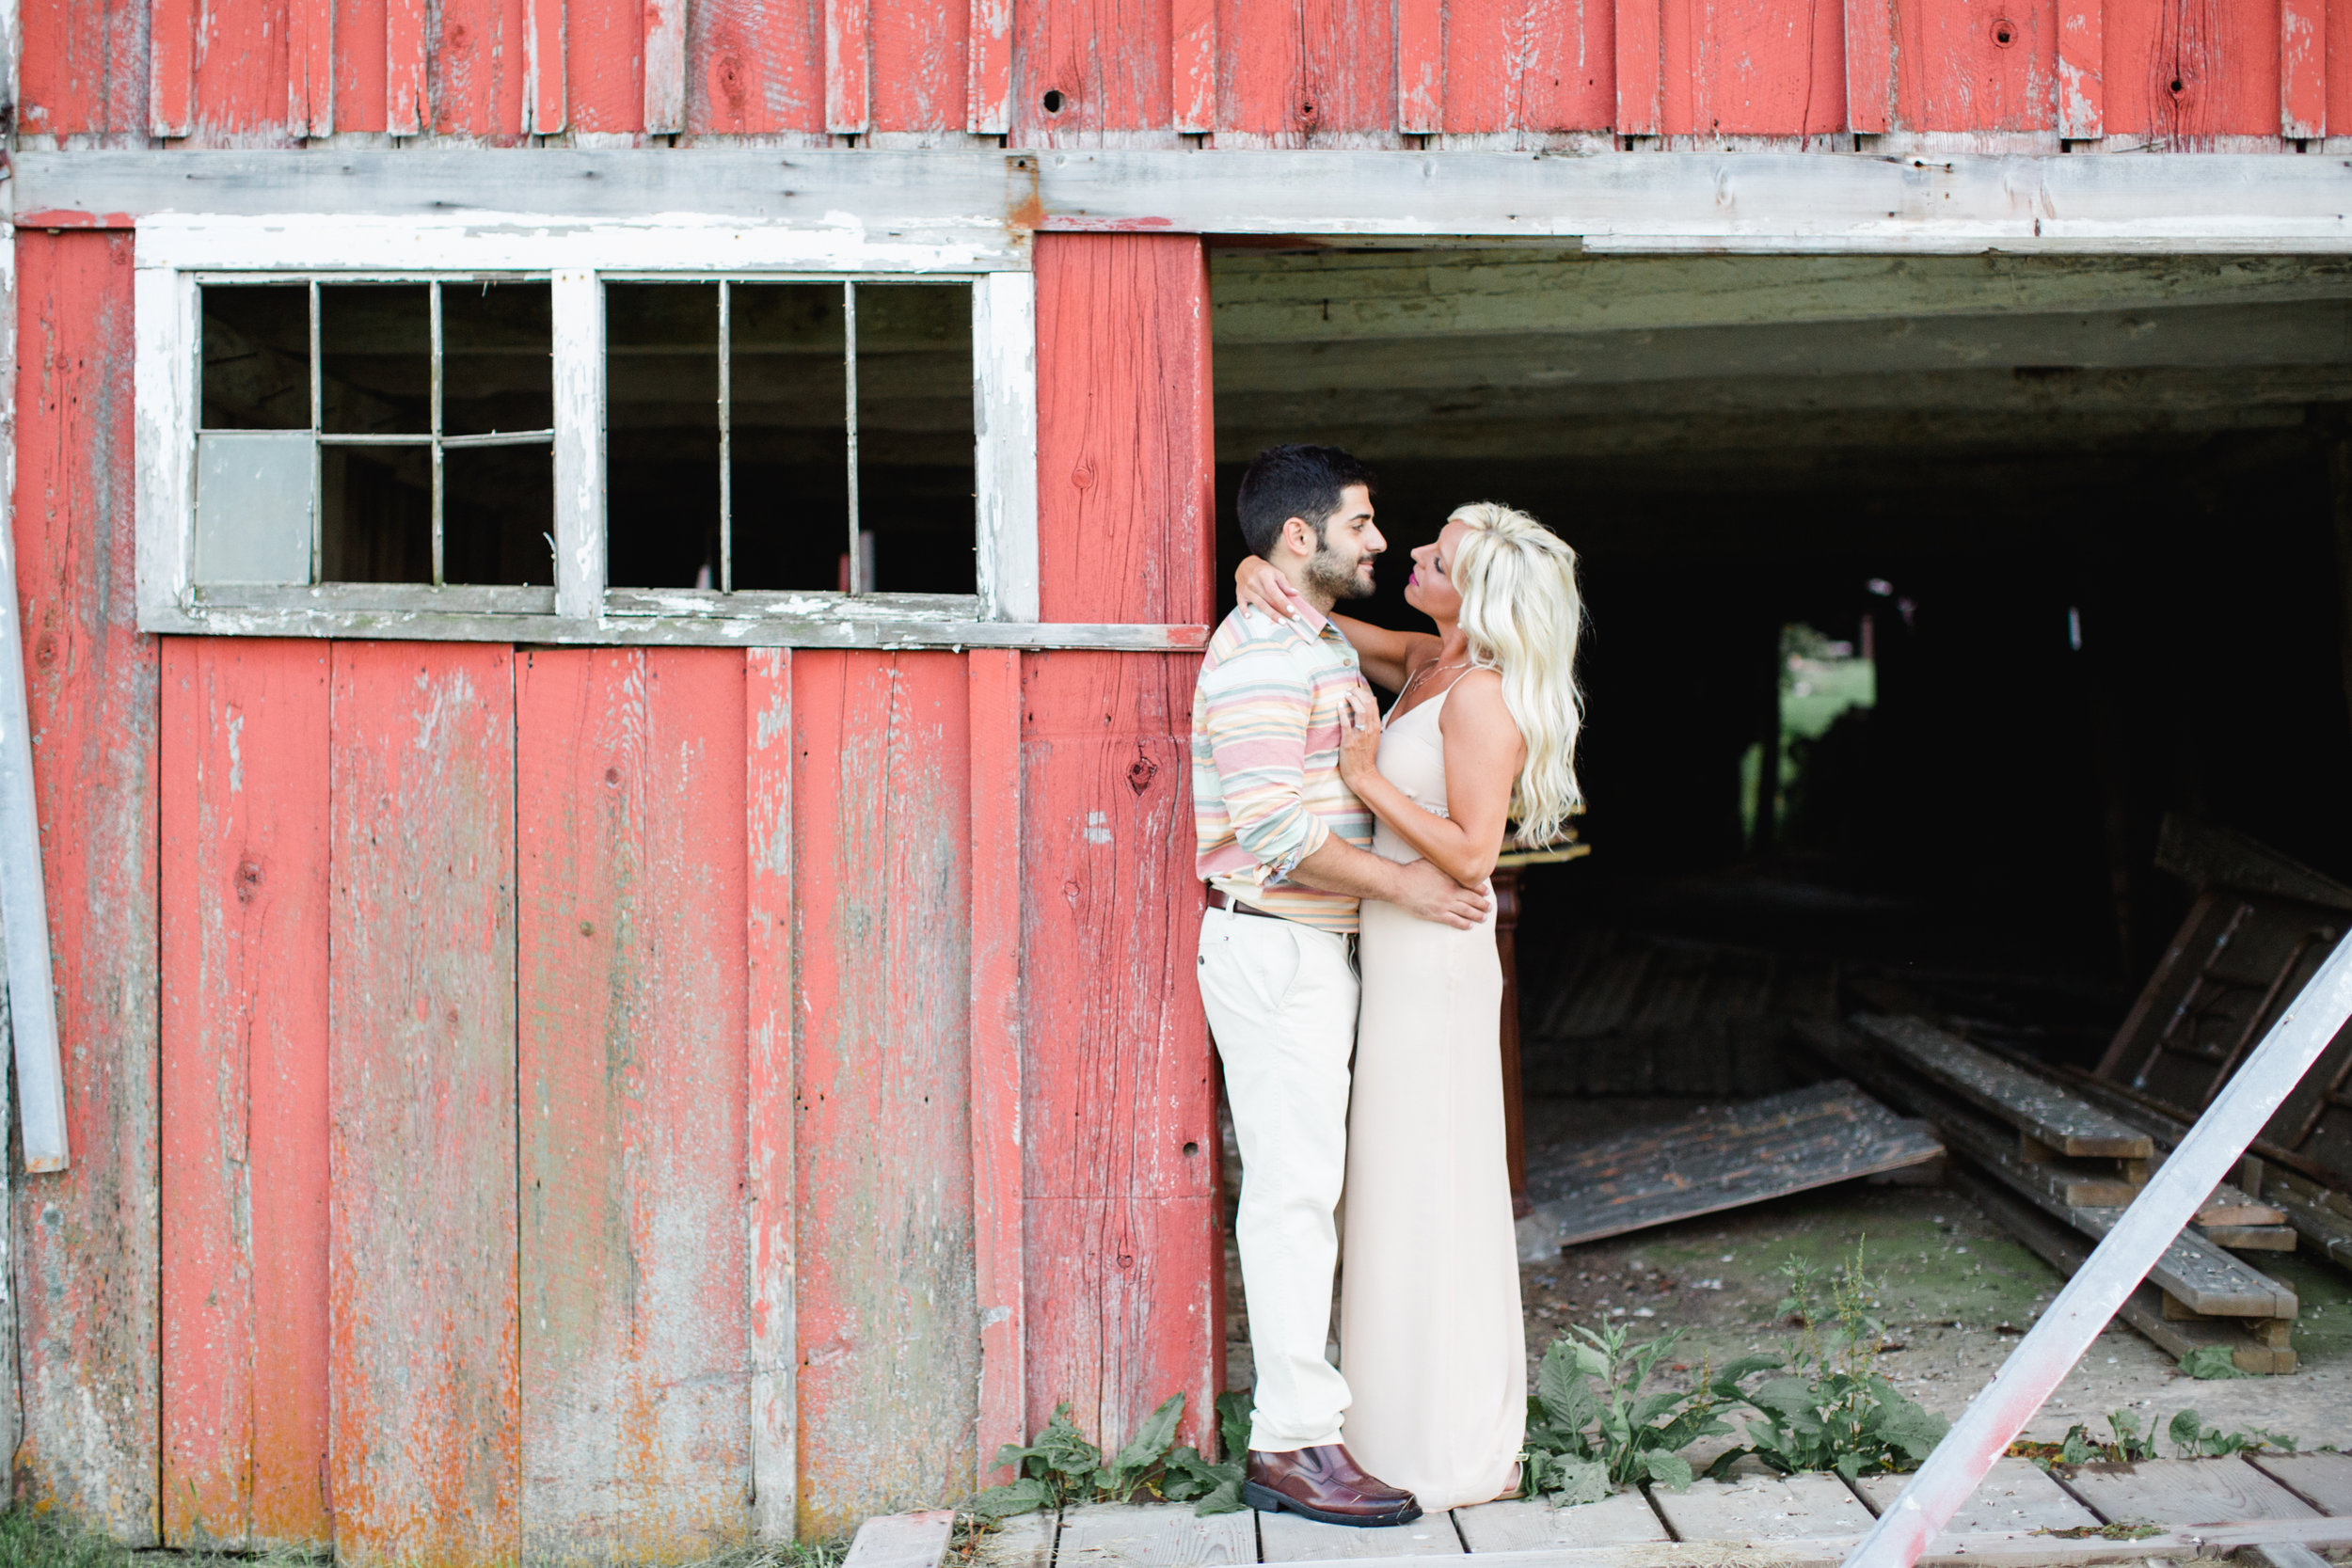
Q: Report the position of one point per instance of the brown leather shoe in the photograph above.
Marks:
(1324, 1483)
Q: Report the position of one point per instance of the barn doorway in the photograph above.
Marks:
(1921, 589)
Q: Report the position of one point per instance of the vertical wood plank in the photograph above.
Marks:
(1539, 69)
(87, 1254)
(1098, 88)
(244, 51)
(771, 1186)
(244, 879)
(1957, 65)
(604, 60)
(629, 774)
(1348, 74)
(2082, 68)
(889, 1328)
(426, 1438)
(1264, 70)
(1125, 467)
(919, 73)
(406, 108)
(1640, 67)
(997, 1244)
(171, 67)
(1870, 64)
(2187, 71)
(2340, 64)
(2302, 68)
(1120, 1224)
(988, 104)
(1751, 66)
(480, 57)
(84, 67)
(1193, 61)
(543, 66)
(1420, 65)
(360, 83)
(849, 67)
(756, 67)
(1119, 1120)
(310, 68)
(665, 66)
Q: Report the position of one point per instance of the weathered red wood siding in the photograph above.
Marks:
(86, 1240)
(1287, 73)
(889, 1324)
(426, 1436)
(1123, 1256)
(244, 1116)
(630, 810)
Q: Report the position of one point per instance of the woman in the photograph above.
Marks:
(1483, 732)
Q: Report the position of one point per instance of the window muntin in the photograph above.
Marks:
(393, 432)
(792, 437)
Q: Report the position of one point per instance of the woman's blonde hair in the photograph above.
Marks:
(1521, 612)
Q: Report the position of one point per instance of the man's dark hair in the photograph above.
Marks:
(1294, 481)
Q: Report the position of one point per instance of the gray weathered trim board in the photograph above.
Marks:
(745, 631)
(1763, 201)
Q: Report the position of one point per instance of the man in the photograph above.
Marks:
(1284, 847)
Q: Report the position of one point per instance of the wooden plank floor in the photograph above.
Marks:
(2018, 1495)
(2017, 1500)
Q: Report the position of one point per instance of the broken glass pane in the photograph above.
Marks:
(375, 351)
(915, 434)
(257, 357)
(498, 372)
(498, 515)
(790, 441)
(377, 523)
(662, 435)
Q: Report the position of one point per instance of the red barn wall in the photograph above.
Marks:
(478, 1056)
(1154, 72)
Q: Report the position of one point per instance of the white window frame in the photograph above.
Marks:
(175, 255)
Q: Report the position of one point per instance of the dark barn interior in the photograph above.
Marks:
(1920, 590)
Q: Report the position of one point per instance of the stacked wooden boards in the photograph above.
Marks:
(2021, 1516)
(2057, 1171)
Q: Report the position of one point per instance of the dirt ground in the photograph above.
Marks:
(1956, 1293)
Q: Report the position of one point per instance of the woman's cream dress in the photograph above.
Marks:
(1431, 1340)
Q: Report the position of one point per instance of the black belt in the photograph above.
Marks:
(1220, 899)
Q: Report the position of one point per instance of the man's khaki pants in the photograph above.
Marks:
(1282, 1002)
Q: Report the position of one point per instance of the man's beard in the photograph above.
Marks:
(1327, 571)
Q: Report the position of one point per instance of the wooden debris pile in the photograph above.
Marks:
(2057, 1171)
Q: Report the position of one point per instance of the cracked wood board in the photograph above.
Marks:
(1792, 1508)
(2322, 1480)
(902, 1540)
(1130, 1535)
(1519, 1524)
(2017, 1495)
(2182, 1494)
(1294, 1538)
(1725, 1158)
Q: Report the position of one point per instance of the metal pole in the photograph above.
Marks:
(24, 908)
(2048, 1352)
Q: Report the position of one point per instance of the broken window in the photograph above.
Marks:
(375, 433)
(789, 437)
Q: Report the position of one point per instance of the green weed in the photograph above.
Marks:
(1834, 1411)
(2207, 1362)
(1582, 1441)
(31, 1540)
(2198, 1441)
(1060, 1467)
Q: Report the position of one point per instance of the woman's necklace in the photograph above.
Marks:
(1414, 679)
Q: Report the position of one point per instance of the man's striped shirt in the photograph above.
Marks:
(1266, 762)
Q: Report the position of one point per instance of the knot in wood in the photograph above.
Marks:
(1140, 773)
(248, 878)
(1083, 475)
